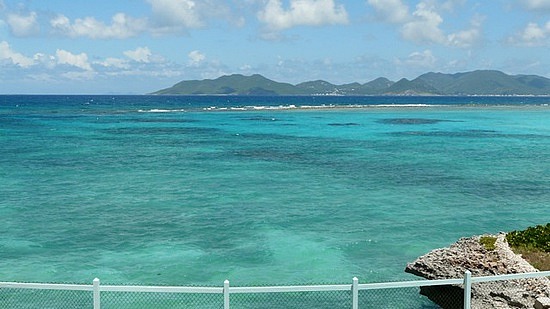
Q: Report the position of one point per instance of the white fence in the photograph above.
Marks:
(95, 291)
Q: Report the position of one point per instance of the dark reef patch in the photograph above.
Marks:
(159, 131)
(470, 134)
(411, 121)
(260, 118)
(347, 124)
(162, 120)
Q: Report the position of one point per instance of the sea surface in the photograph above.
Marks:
(260, 190)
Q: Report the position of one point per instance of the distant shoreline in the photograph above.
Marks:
(355, 95)
(285, 95)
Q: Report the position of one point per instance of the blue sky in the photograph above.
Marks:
(139, 46)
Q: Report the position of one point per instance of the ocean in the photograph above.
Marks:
(193, 190)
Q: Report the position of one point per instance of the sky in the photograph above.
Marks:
(140, 46)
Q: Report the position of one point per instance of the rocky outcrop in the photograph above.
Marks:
(470, 254)
(542, 303)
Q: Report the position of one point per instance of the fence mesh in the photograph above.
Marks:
(11, 298)
(511, 292)
(446, 296)
(395, 298)
(147, 300)
(293, 300)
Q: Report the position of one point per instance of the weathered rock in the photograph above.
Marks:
(469, 254)
(542, 303)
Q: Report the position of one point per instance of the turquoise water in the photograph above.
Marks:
(156, 190)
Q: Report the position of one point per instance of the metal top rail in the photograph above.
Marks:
(46, 286)
(96, 288)
(266, 289)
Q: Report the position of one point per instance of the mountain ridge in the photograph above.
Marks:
(479, 82)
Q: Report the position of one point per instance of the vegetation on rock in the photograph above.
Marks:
(488, 242)
(533, 244)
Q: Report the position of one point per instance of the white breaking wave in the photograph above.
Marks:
(155, 110)
(330, 106)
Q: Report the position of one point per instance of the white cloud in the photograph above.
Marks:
(212, 73)
(81, 75)
(467, 38)
(167, 17)
(116, 63)
(121, 27)
(424, 25)
(180, 15)
(393, 11)
(246, 67)
(23, 25)
(423, 59)
(61, 23)
(302, 12)
(537, 4)
(416, 63)
(41, 77)
(8, 54)
(449, 5)
(532, 35)
(424, 28)
(140, 54)
(156, 72)
(196, 57)
(45, 60)
(79, 61)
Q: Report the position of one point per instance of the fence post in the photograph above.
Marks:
(97, 299)
(467, 289)
(355, 293)
(226, 294)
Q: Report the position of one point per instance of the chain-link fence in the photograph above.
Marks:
(424, 294)
(292, 300)
(32, 298)
(143, 300)
(394, 298)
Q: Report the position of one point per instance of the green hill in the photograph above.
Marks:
(487, 82)
(377, 86)
(481, 82)
(412, 87)
(235, 84)
(321, 87)
(317, 86)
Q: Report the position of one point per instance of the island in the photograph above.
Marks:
(480, 82)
